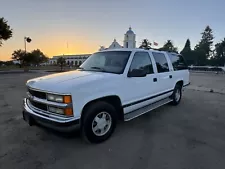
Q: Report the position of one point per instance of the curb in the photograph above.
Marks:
(205, 89)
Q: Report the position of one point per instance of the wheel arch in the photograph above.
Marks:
(180, 82)
(114, 100)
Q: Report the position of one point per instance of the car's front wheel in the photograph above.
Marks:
(99, 122)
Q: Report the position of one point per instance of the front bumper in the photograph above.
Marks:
(61, 124)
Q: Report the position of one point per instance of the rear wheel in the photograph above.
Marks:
(177, 94)
(99, 122)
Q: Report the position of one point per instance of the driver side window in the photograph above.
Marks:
(141, 61)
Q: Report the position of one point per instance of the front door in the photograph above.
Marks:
(139, 89)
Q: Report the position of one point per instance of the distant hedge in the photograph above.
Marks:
(216, 69)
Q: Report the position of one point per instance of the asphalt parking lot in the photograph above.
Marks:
(188, 136)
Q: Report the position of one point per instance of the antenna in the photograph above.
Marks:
(67, 46)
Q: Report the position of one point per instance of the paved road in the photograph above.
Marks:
(189, 136)
(208, 81)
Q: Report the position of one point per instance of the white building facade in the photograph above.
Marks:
(71, 60)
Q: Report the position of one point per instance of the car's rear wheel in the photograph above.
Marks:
(177, 94)
(99, 122)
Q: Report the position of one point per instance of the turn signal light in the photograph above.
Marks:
(67, 99)
(68, 111)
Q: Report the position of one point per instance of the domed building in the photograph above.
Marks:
(129, 41)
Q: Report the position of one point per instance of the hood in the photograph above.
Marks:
(62, 82)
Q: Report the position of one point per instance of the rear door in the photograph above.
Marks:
(164, 72)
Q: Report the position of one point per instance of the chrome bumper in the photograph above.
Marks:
(55, 122)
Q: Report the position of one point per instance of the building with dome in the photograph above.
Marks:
(77, 60)
(129, 41)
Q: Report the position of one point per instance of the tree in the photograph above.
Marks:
(20, 55)
(1, 62)
(5, 31)
(23, 57)
(145, 44)
(38, 57)
(26, 58)
(219, 56)
(168, 46)
(188, 53)
(187, 46)
(61, 61)
(8, 63)
(203, 50)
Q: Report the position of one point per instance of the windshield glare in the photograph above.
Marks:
(108, 61)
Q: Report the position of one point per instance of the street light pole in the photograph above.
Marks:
(26, 39)
(25, 45)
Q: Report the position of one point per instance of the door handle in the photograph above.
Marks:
(170, 76)
(154, 79)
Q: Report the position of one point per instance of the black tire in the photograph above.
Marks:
(89, 115)
(175, 101)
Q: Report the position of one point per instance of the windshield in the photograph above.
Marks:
(108, 61)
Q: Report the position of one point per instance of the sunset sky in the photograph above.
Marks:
(87, 24)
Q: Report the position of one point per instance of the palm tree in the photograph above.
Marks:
(145, 44)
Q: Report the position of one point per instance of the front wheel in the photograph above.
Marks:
(177, 94)
(99, 122)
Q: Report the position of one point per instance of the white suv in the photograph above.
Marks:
(110, 85)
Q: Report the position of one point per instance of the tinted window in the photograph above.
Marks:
(107, 61)
(178, 62)
(161, 62)
(141, 60)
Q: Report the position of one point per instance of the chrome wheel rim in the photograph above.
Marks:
(177, 95)
(101, 123)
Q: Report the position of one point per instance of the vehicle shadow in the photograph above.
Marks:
(67, 135)
(138, 123)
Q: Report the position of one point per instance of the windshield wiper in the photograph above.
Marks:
(98, 68)
(80, 68)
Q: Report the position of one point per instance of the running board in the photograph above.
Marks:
(146, 109)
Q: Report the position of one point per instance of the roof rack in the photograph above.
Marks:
(163, 50)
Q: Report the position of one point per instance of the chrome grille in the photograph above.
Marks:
(40, 106)
(38, 94)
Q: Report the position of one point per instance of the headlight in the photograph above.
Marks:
(66, 111)
(58, 98)
(55, 110)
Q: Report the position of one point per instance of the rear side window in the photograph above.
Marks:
(178, 62)
(161, 62)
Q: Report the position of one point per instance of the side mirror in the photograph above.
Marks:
(137, 73)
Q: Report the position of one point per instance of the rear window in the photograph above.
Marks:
(161, 62)
(178, 62)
